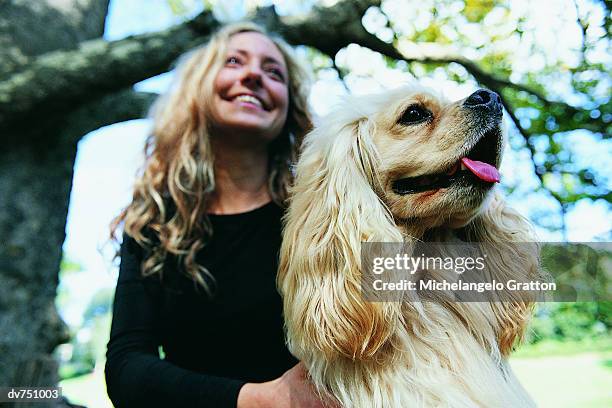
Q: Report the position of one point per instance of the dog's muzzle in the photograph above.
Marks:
(477, 167)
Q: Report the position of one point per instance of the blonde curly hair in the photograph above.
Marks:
(168, 211)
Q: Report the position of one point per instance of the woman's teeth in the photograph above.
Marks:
(249, 99)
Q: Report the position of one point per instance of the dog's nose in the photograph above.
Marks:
(484, 99)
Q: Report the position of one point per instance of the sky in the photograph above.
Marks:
(108, 158)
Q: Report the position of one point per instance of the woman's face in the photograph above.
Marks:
(251, 93)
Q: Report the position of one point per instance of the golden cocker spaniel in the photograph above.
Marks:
(403, 166)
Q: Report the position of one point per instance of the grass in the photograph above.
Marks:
(575, 380)
(88, 390)
(572, 375)
(549, 348)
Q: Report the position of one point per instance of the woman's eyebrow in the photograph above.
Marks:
(266, 59)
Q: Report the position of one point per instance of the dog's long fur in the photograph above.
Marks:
(397, 354)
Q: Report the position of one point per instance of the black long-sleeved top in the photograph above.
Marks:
(212, 346)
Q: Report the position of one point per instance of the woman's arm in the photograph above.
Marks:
(135, 375)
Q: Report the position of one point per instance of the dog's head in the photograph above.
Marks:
(434, 161)
(437, 160)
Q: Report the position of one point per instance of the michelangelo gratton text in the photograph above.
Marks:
(459, 285)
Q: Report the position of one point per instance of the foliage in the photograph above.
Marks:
(88, 341)
(67, 267)
(582, 272)
(576, 321)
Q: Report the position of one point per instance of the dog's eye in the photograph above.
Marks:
(414, 114)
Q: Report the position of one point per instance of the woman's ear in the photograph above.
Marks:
(333, 208)
(513, 253)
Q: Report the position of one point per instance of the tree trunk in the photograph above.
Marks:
(35, 179)
(35, 183)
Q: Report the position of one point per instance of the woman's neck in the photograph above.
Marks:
(241, 179)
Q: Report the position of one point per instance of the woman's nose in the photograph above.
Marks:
(252, 75)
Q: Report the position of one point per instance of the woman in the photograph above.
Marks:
(199, 255)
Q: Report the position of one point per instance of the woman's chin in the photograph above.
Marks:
(246, 129)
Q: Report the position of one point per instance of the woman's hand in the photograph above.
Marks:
(291, 390)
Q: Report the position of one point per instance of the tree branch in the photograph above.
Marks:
(96, 68)
(539, 174)
(54, 82)
(31, 28)
(583, 31)
(439, 54)
(433, 53)
(117, 107)
(328, 29)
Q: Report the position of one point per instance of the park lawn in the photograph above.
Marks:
(550, 347)
(88, 390)
(576, 380)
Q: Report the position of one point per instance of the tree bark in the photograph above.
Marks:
(35, 180)
(31, 28)
(53, 83)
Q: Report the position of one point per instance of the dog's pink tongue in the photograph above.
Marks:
(483, 171)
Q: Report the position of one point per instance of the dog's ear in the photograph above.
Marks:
(513, 253)
(334, 207)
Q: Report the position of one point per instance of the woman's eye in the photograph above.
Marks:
(232, 60)
(277, 73)
(415, 114)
